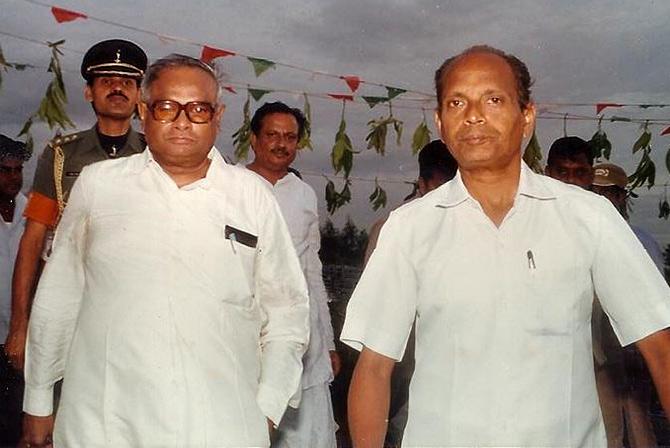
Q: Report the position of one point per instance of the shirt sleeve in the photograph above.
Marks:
(56, 305)
(631, 289)
(42, 205)
(282, 294)
(43, 182)
(382, 308)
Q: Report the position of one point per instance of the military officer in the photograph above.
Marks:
(113, 70)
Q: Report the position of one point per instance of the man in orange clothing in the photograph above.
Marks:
(113, 70)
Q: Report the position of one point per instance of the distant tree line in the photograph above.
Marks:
(345, 246)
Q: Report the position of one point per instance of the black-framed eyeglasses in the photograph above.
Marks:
(167, 111)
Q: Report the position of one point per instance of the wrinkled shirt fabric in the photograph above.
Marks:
(503, 314)
(168, 330)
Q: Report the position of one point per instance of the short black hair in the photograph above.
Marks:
(13, 149)
(276, 108)
(569, 148)
(436, 160)
(519, 69)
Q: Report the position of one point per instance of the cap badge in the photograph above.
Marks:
(118, 56)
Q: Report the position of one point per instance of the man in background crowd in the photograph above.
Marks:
(624, 384)
(12, 202)
(570, 160)
(113, 70)
(623, 403)
(276, 130)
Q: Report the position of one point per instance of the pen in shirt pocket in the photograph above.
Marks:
(233, 239)
(531, 260)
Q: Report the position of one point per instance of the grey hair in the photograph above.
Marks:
(175, 60)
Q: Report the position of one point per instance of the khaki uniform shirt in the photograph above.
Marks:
(79, 149)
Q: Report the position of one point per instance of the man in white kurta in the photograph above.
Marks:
(276, 131)
(499, 267)
(175, 311)
(13, 154)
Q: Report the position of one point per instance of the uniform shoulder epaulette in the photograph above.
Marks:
(61, 140)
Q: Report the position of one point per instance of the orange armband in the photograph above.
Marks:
(42, 209)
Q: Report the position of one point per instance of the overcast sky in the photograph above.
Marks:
(577, 52)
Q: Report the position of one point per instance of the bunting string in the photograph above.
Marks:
(352, 81)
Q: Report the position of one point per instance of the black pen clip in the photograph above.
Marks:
(531, 259)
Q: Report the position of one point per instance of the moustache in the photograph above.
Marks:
(279, 151)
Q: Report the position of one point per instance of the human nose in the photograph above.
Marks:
(182, 121)
(473, 113)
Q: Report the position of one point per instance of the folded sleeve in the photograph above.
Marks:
(382, 308)
(282, 294)
(631, 289)
(56, 305)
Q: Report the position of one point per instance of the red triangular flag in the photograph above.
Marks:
(601, 106)
(352, 81)
(341, 96)
(230, 89)
(63, 15)
(209, 53)
(666, 131)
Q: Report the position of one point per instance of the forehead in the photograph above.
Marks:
(479, 71)
(184, 84)
(279, 119)
(573, 161)
(97, 80)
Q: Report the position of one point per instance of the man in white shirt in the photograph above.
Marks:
(276, 130)
(12, 202)
(173, 304)
(499, 267)
(624, 384)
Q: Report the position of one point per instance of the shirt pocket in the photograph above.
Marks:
(547, 297)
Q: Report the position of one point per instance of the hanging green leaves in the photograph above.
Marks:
(533, 154)
(4, 65)
(415, 191)
(376, 138)
(242, 137)
(600, 144)
(643, 140)
(378, 197)
(421, 136)
(342, 154)
(260, 65)
(645, 173)
(52, 107)
(335, 199)
(305, 139)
